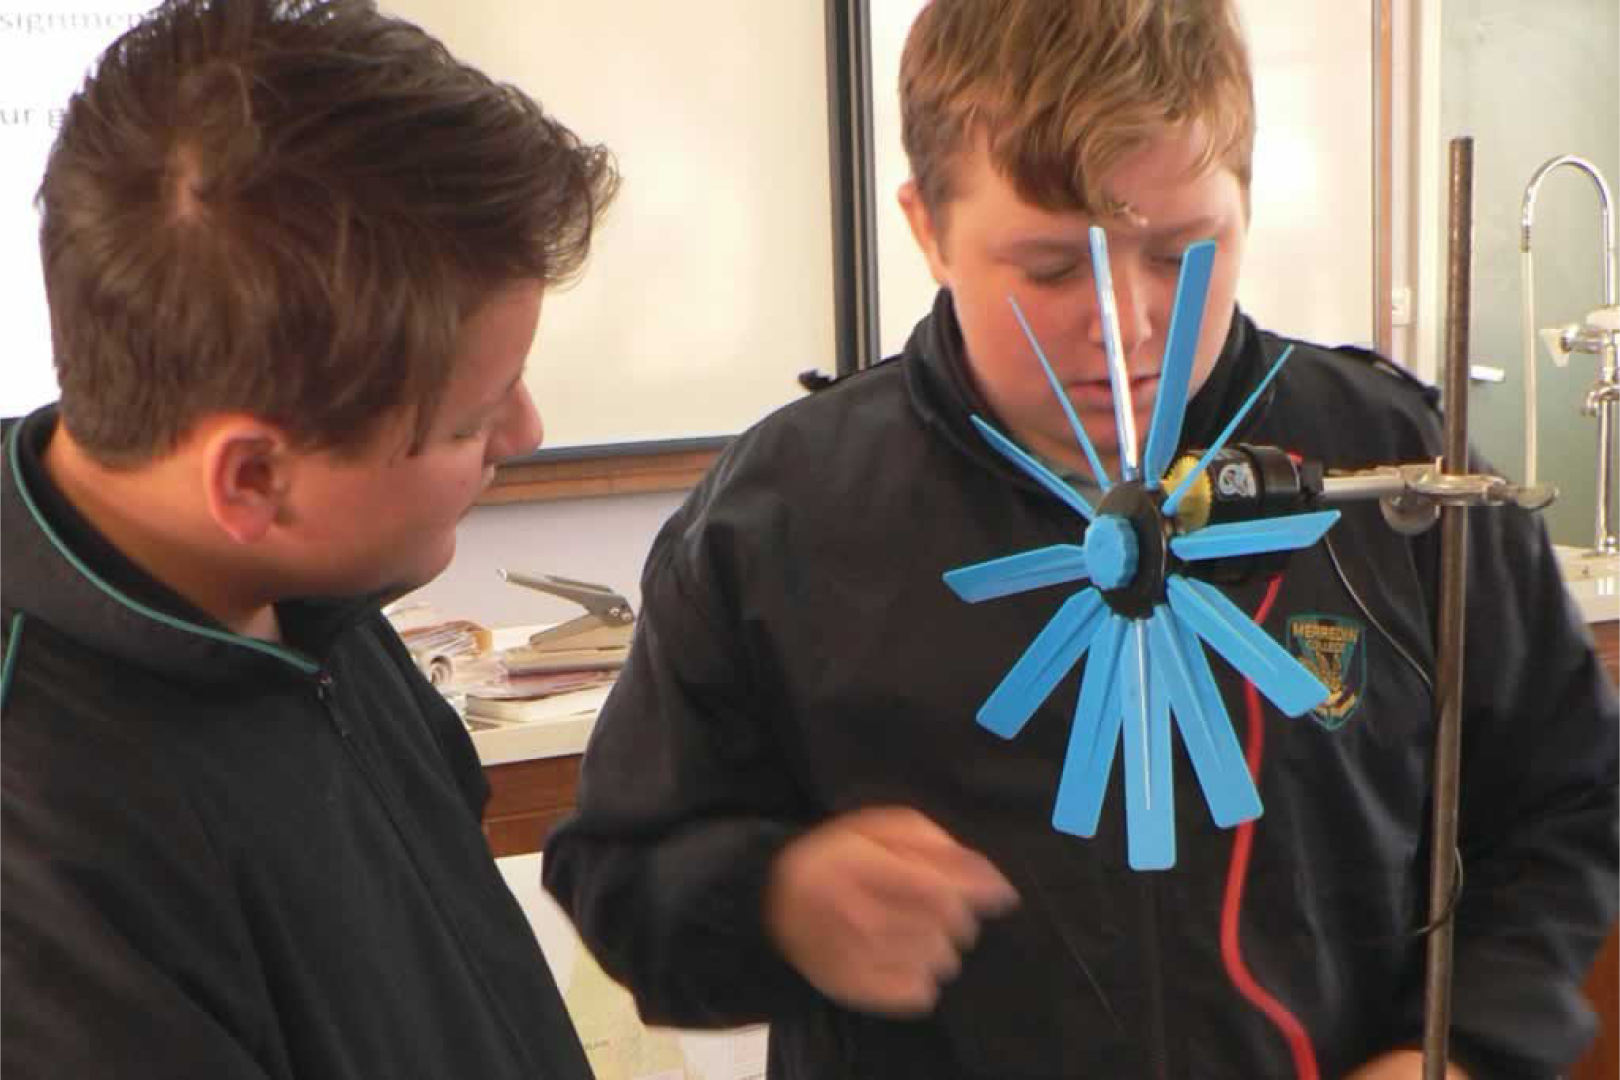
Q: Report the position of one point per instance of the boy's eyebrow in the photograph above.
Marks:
(1189, 230)
(1200, 227)
(1045, 245)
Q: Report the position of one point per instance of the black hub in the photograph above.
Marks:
(1139, 506)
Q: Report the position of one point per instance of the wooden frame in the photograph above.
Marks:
(587, 471)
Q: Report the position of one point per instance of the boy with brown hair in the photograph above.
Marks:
(294, 254)
(787, 812)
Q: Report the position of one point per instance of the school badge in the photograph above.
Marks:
(1331, 647)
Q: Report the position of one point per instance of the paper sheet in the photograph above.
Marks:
(616, 1042)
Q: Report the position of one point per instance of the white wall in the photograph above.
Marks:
(1308, 267)
(604, 540)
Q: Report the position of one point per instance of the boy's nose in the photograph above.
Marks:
(520, 429)
(1131, 298)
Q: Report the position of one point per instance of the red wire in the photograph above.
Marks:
(1299, 1040)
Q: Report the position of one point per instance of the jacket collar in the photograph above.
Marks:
(60, 570)
(944, 394)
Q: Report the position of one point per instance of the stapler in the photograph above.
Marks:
(598, 639)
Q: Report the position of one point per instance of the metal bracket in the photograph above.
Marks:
(1412, 495)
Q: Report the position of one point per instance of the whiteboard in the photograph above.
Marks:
(1309, 265)
(710, 285)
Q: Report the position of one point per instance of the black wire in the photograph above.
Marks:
(1457, 885)
(1451, 903)
(1361, 605)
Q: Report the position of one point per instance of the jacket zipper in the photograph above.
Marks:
(325, 685)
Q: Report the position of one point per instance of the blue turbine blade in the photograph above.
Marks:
(1098, 473)
(1217, 620)
(1150, 811)
(1180, 350)
(1049, 657)
(1174, 500)
(1183, 676)
(1254, 537)
(1094, 737)
(1035, 470)
(1018, 573)
(1118, 378)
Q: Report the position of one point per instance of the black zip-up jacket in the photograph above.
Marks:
(229, 859)
(798, 656)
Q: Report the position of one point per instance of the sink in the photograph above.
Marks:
(1593, 581)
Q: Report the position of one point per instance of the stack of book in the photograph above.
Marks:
(547, 686)
(453, 653)
(530, 698)
(551, 686)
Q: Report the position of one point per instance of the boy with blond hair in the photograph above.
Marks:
(787, 812)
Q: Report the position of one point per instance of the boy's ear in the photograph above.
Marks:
(247, 473)
(922, 229)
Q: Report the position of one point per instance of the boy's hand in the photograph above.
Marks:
(876, 907)
(1401, 1065)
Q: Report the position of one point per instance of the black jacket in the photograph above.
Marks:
(798, 655)
(225, 858)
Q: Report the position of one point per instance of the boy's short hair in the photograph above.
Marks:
(288, 208)
(1059, 91)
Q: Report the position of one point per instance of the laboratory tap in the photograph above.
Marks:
(1599, 335)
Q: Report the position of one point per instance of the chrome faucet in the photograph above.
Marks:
(1598, 335)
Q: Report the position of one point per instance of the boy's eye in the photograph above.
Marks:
(1051, 275)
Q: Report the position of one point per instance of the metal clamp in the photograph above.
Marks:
(1411, 495)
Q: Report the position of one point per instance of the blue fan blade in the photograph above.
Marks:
(1150, 812)
(1292, 688)
(1206, 729)
(1093, 738)
(1049, 657)
(1214, 709)
(1097, 471)
(1018, 573)
(1036, 471)
(1180, 350)
(1254, 537)
(1118, 378)
(1175, 498)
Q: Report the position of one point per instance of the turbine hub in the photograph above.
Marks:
(1110, 552)
(1127, 549)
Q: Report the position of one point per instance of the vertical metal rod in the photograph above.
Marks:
(1453, 560)
(854, 234)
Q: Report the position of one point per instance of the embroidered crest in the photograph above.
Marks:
(1332, 648)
